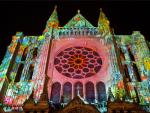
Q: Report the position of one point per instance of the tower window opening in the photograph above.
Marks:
(136, 73)
(24, 55)
(31, 69)
(35, 52)
(131, 55)
(19, 72)
(122, 55)
(127, 73)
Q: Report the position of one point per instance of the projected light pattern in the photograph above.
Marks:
(78, 62)
(78, 50)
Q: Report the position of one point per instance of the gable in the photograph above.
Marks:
(78, 21)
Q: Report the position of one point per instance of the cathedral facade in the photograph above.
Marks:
(76, 65)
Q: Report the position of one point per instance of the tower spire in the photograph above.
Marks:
(53, 21)
(103, 23)
(78, 11)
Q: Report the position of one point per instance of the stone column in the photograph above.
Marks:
(61, 92)
(95, 93)
(72, 91)
(84, 91)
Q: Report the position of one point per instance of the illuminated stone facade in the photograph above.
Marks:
(76, 60)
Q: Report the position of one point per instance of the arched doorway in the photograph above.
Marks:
(55, 92)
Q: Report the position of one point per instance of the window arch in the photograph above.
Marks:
(67, 92)
(131, 55)
(136, 73)
(24, 55)
(90, 97)
(127, 73)
(55, 92)
(35, 52)
(31, 69)
(78, 87)
(122, 55)
(101, 91)
(135, 68)
(19, 72)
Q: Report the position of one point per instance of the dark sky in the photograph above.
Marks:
(30, 17)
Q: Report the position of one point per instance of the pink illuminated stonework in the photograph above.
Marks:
(78, 62)
(78, 59)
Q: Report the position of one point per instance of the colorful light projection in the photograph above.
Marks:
(136, 55)
(7, 58)
(77, 59)
(17, 94)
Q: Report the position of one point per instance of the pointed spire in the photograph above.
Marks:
(102, 17)
(53, 21)
(78, 11)
(103, 23)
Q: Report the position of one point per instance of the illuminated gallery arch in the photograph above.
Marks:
(55, 93)
(101, 91)
(78, 87)
(90, 95)
(67, 92)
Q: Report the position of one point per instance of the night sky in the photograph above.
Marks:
(30, 17)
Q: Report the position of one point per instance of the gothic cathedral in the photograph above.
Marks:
(77, 68)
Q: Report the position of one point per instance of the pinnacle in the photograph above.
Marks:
(101, 9)
(78, 11)
(55, 7)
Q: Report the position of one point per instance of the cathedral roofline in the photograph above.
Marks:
(78, 21)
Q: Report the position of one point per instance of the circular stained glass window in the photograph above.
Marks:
(78, 62)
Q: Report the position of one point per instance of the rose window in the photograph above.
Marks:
(78, 62)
